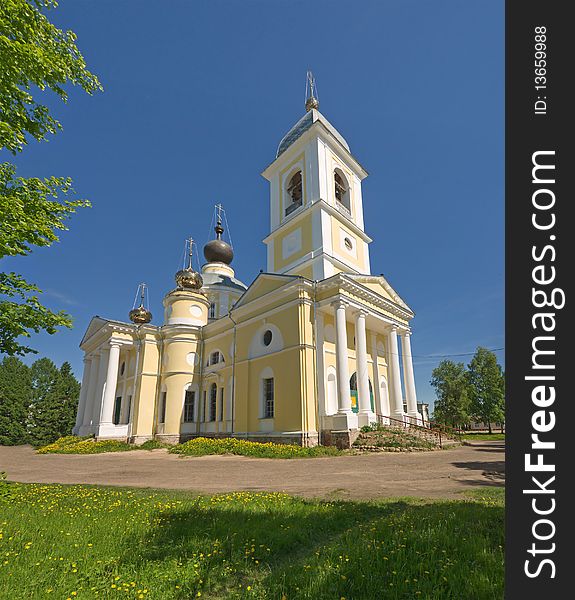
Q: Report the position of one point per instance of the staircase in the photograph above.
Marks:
(436, 433)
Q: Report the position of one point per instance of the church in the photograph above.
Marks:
(308, 353)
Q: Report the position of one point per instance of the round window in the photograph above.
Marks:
(268, 337)
(348, 243)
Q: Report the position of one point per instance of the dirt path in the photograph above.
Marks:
(425, 474)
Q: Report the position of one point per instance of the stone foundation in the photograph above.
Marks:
(138, 440)
(342, 439)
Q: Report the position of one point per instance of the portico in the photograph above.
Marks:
(366, 344)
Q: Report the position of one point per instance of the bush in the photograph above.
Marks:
(72, 444)
(202, 446)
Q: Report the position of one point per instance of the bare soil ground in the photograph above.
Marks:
(436, 474)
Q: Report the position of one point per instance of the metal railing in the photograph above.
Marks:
(438, 432)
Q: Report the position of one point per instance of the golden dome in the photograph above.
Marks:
(140, 315)
(188, 279)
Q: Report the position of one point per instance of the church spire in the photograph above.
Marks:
(311, 99)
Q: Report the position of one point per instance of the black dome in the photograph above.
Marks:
(217, 250)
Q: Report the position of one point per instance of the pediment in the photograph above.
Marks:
(263, 284)
(379, 285)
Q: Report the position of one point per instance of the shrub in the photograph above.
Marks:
(202, 446)
(72, 444)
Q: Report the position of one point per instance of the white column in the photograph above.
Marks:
(365, 412)
(343, 391)
(82, 402)
(408, 377)
(110, 392)
(376, 385)
(393, 362)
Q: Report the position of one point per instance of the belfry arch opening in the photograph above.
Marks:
(341, 188)
(295, 192)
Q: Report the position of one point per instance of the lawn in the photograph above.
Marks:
(71, 542)
(483, 436)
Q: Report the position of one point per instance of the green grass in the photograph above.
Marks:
(69, 542)
(483, 436)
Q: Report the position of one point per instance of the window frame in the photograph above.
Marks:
(189, 404)
(213, 403)
(268, 400)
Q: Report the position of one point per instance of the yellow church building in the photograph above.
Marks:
(306, 354)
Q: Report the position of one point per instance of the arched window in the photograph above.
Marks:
(215, 358)
(213, 401)
(295, 193)
(353, 391)
(341, 190)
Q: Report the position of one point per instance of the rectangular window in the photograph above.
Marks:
(129, 412)
(212, 312)
(204, 406)
(117, 410)
(221, 404)
(213, 401)
(268, 398)
(189, 406)
(162, 416)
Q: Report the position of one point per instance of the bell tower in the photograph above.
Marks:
(316, 208)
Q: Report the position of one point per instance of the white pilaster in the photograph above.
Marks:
(99, 388)
(365, 413)
(82, 402)
(393, 361)
(409, 379)
(110, 392)
(320, 364)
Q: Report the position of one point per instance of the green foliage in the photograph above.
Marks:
(202, 446)
(451, 387)
(72, 444)
(486, 388)
(55, 402)
(34, 54)
(15, 395)
(79, 541)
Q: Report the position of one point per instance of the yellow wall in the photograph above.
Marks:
(306, 242)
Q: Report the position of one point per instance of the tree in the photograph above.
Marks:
(15, 393)
(451, 386)
(55, 402)
(44, 374)
(33, 54)
(486, 388)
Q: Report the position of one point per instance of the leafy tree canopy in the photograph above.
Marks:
(451, 386)
(34, 52)
(35, 55)
(486, 387)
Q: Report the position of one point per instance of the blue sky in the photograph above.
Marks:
(198, 95)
